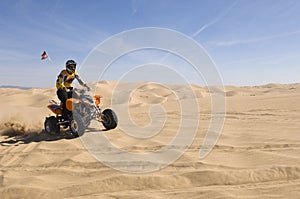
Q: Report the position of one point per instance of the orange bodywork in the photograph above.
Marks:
(56, 109)
(70, 103)
(97, 99)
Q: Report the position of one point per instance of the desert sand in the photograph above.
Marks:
(256, 156)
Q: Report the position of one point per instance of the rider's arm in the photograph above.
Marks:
(81, 82)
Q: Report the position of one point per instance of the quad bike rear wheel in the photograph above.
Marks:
(51, 126)
(77, 125)
(109, 119)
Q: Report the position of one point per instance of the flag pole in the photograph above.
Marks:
(50, 59)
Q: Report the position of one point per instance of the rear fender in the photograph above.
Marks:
(56, 109)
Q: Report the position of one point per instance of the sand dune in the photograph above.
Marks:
(257, 154)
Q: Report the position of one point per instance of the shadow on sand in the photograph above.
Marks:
(16, 138)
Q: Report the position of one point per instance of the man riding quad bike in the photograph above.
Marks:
(64, 85)
(77, 109)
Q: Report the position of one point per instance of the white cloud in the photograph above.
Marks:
(134, 6)
(216, 20)
(253, 40)
(14, 55)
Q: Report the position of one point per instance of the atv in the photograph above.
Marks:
(81, 112)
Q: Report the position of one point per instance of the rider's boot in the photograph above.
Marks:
(65, 118)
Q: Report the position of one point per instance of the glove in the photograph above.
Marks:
(87, 87)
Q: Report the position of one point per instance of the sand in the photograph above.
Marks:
(256, 156)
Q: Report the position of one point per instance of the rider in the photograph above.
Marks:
(64, 84)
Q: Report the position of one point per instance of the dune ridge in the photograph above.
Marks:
(257, 154)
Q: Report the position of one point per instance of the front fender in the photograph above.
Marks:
(70, 104)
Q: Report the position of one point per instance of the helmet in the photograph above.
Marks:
(71, 66)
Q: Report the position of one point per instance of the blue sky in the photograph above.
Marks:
(252, 42)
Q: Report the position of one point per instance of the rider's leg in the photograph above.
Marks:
(72, 94)
(63, 96)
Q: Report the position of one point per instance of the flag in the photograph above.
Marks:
(44, 55)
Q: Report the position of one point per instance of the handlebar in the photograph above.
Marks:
(81, 91)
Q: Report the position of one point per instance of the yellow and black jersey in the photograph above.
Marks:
(65, 79)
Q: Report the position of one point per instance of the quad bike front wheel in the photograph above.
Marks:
(51, 126)
(77, 125)
(109, 119)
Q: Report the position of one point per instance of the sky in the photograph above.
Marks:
(251, 42)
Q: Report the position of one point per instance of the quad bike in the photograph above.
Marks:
(81, 112)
